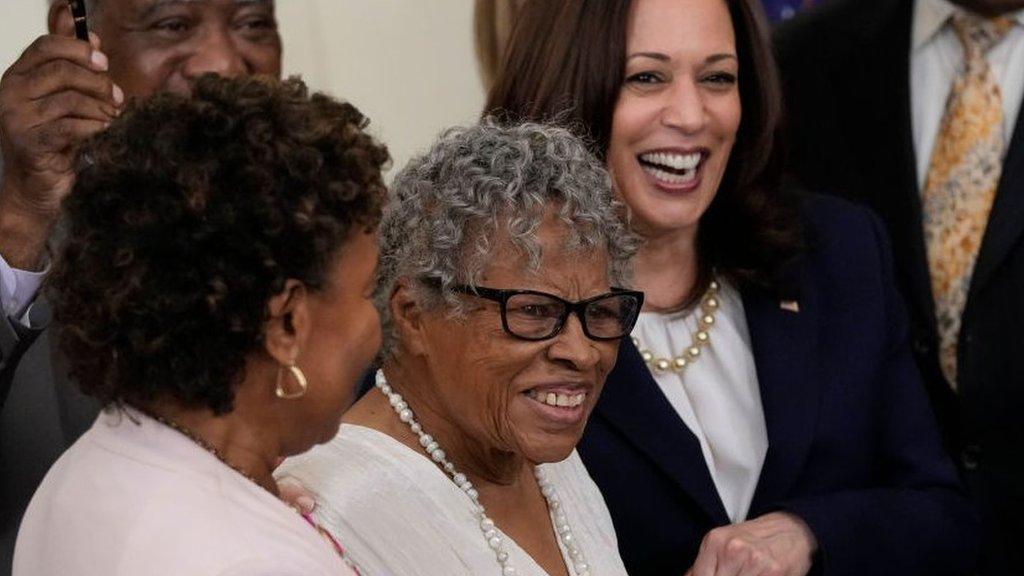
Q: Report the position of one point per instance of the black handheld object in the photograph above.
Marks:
(81, 24)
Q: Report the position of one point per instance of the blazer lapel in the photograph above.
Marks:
(784, 345)
(633, 403)
(1006, 222)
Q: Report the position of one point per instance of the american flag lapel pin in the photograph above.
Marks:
(790, 306)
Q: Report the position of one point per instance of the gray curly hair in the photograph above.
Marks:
(490, 181)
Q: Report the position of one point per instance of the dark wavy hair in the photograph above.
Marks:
(187, 216)
(565, 63)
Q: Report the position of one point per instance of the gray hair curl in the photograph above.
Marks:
(490, 181)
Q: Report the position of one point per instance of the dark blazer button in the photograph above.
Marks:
(970, 456)
(922, 346)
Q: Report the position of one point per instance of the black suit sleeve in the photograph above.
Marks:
(15, 340)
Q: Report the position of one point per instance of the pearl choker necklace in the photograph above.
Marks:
(702, 337)
(579, 565)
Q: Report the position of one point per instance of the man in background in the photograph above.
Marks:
(913, 108)
(57, 94)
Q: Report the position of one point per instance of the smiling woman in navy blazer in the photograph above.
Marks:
(767, 418)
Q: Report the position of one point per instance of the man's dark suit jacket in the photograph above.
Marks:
(41, 415)
(846, 71)
(853, 448)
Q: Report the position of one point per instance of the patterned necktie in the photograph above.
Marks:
(962, 178)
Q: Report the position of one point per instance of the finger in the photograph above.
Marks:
(70, 104)
(734, 558)
(65, 134)
(756, 564)
(706, 562)
(774, 568)
(305, 503)
(65, 24)
(61, 75)
(53, 47)
(295, 495)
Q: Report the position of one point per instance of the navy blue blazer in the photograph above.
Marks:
(853, 447)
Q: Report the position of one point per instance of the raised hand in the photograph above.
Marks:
(56, 95)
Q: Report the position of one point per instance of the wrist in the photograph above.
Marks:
(24, 230)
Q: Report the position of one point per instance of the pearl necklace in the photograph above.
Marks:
(486, 525)
(702, 337)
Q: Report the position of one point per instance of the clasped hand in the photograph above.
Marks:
(776, 544)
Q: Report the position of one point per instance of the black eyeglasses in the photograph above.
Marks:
(533, 315)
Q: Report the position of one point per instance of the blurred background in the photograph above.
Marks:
(410, 65)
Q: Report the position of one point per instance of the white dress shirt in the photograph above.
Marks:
(18, 288)
(140, 498)
(717, 397)
(936, 59)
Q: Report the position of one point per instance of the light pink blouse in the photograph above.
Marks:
(134, 498)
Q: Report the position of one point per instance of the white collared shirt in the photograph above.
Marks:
(936, 58)
(18, 288)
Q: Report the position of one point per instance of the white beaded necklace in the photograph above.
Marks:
(487, 527)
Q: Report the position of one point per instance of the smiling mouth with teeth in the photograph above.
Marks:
(671, 168)
(558, 400)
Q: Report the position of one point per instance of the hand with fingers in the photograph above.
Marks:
(57, 94)
(776, 544)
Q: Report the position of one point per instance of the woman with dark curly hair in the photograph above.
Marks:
(767, 416)
(215, 295)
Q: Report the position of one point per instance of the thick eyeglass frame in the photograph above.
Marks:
(502, 296)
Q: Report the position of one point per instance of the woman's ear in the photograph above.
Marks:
(407, 316)
(289, 322)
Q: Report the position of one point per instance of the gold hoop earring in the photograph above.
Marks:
(300, 379)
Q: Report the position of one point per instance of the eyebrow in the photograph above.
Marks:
(665, 58)
(652, 55)
(155, 5)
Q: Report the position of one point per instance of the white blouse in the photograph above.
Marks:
(136, 497)
(398, 514)
(717, 397)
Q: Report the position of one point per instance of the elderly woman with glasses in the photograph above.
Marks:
(503, 255)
